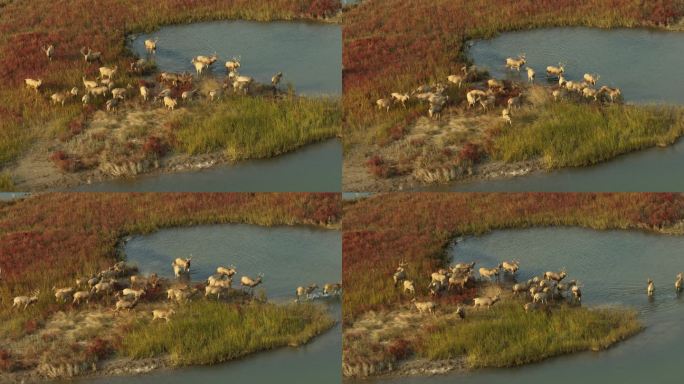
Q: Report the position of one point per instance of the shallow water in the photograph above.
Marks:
(645, 64)
(314, 168)
(308, 54)
(606, 52)
(288, 257)
(612, 267)
(650, 170)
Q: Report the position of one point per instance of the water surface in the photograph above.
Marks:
(647, 65)
(612, 267)
(308, 54)
(314, 168)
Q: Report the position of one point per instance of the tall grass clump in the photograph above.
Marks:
(568, 134)
(257, 127)
(209, 332)
(508, 336)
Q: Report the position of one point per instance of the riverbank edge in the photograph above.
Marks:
(495, 170)
(117, 366)
(170, 164)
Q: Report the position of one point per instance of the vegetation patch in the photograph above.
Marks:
(246, 127)
(507, 336)
(571, 135)
(206, 332)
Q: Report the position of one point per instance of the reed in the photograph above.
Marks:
(506, 335)
(209, 332)
(571, 135)
(257, 127)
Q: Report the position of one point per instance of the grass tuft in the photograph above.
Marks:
(206, 332)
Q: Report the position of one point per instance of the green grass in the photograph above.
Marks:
(257, 127)
(6, 183)
(569, 134)
(208, 332)
(507, 336)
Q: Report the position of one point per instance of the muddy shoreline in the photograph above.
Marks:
(52, 179)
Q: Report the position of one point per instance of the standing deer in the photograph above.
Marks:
(151, 45)
(49, 51)
(250, 283)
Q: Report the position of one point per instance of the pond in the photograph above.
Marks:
(612, 267)
(308, 54)
(314, 168)
(613, 55)
(288, 257)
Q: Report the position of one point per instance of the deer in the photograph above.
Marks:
(557, 277)
(49, 51)
(250, 283)
(650, 289)
(506, 116)
(330, 289)
(460, 282)
(122, 304)
(199, 66)
(62, 97)
(226, 271)
(25, 301)
(275, 80)
(33, 84)
(213, 290)
(151, 45)
(553, 71)
(456, 80)
(409, 287)
(383, 104)
(305, 291)
(183, 263)
(108, 72)
(678, 282)
(163, 314)
(516, 64)
(530, 74)
(400, 274)
(90, 56)
(80, 296)
(510, 266)
(577, 293)
(233, 64)
(62, 294)
(137, 294)
(591, 78)
(479, 302)
(171, 103)
(422, 307)
(401, 98)
(489, 272)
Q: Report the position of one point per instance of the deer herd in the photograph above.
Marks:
(493, 92)
(171, 85)
(122, 283)
(539, 292)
